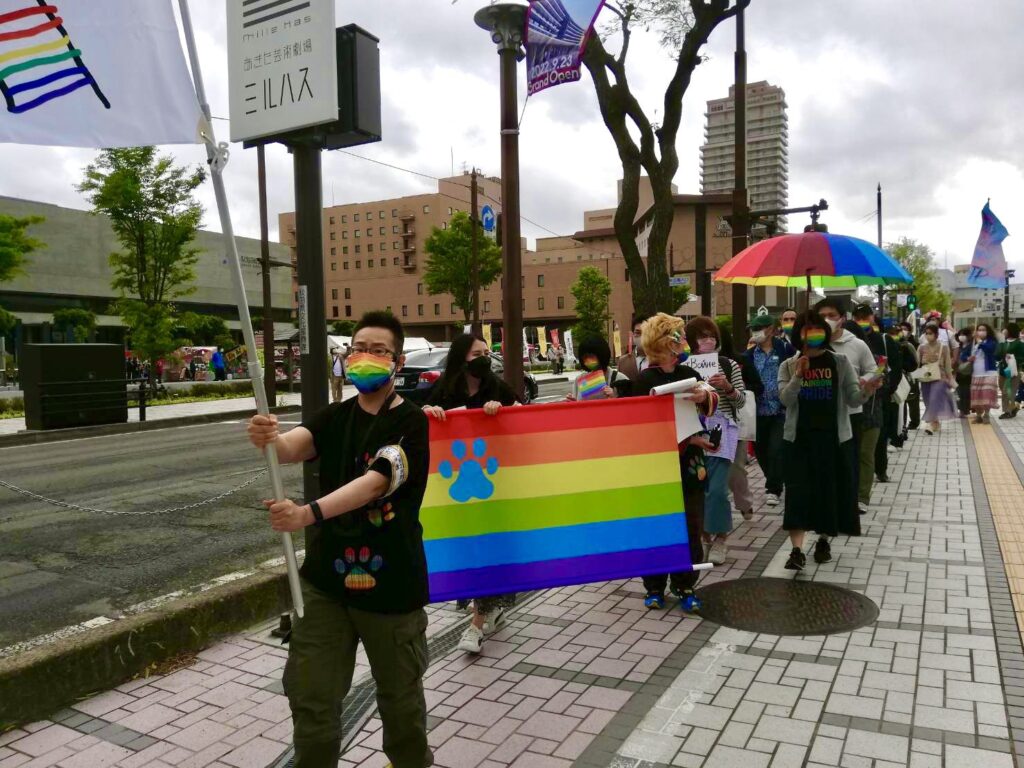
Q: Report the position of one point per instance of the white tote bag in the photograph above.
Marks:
(748, 418)
(902, 391)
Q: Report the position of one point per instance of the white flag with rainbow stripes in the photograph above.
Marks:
(94, 73)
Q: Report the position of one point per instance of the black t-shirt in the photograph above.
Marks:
(818, 395)
(371, 558)
(692, 468)
(491, 388)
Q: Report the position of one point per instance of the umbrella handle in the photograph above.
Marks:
(808, 307)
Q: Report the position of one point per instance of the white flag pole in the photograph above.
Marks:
(217, 156)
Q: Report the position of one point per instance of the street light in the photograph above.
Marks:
(506, 22)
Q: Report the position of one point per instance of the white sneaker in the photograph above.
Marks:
(773, 500)
(494, 621)
(717, 553)
(472, 639)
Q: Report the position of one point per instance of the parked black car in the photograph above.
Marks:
(424, 367)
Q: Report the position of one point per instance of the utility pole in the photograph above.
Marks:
(475, 249)
(740, 209)
(1006, 298)
(506, 22)
(881, 288)
(269, 369)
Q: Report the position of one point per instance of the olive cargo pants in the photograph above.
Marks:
(318, 675)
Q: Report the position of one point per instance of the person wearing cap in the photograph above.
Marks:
(763, 359)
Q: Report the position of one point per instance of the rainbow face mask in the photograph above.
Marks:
(787, 328)
(814, 338)
(368, 372)
(865, 326)
(590, 363)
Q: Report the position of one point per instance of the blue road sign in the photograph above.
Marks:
(488, 219)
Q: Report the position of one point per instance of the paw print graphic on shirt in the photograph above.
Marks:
(380, 515)
(697, 468)
(359, 568)
(472, 481)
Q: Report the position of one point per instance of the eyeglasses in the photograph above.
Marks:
(375, 351)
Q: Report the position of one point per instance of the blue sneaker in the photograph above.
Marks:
(689, 602)
(654, 601)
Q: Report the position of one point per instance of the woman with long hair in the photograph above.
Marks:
(818, 387)
(964, 368)
(984, 377)
(469, 382)
(935, 392)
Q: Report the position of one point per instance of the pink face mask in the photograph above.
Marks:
(707, 345)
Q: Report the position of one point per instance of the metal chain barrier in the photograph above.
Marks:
(184, 508)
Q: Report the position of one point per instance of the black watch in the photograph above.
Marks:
(318, 516)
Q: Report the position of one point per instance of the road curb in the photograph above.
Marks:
(40, 681)
(77, 433)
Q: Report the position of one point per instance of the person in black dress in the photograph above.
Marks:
(469, 382)
(817, 387)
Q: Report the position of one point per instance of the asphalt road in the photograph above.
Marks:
(60, 567)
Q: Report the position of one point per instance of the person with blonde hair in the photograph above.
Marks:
(666, 348)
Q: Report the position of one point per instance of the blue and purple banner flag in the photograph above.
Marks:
(556, 31)
(988, 267)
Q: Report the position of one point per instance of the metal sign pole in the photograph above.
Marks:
(217, 156)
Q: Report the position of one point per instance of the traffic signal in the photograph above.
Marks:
(911, 302)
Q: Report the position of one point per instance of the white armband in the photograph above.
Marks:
(395, 456)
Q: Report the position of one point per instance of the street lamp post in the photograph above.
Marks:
(740, 204)
(505, 22)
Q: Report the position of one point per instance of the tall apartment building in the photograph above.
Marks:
(767, 147)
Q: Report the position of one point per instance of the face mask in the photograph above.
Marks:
(962, 339)
(758, 336)
(864, 326)
(638, 348)
(706, 345)
(787, 328)
(814, 338)
(479, 367)
(982, 334)
(590, 363)
(368, 372)
(834, 324)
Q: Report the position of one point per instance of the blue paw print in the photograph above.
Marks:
(472, 481)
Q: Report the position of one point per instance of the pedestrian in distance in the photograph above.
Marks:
(818, 388)
(843, 341)
(337, 374)
(364, 578)
(468, 381)
(984, 377)
(770, 350)
(937, 380)
(912, 406)
(219, 365)
(666, 349)
(873, 415)
(786, 322)
(963, 368)
(739, 483)
(1011, 362)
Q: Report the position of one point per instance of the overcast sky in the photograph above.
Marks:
(914, 95)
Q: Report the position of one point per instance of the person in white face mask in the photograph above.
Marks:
(859, 354)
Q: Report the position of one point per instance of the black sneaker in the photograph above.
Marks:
(822, 551)
(797, 560)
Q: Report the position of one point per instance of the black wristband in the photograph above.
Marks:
(318, 516)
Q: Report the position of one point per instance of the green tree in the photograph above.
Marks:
(79, 323)
(642, 144)
(680, 295)
(449, 267)
(7, 322)
(203, 330)
(919, 260)
(343, 327)
(16, 244)
(591, 291)
(151, 328)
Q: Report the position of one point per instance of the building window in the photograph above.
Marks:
(332, 235)
(419, 289)
(344, 265)
(348, 293)
(355, 217)
(332, 221)
(383, 231)
(382, 247)
(394, 213)
(453, 308)
(405, 310)
(419, 310)
(369, 247)
(561, 302)
(344, 235)
(437, 309)
(444, 225)
(369, 231)
(359, 249)
(344, 250)
(394, 229)
(487, 305)
(540, 281)
(380, 215)
(334, 266)
(359, 233)
(396, 261)
(449, 210)
(395, 245)
(369, 264)
(426, 209)
(359, 264)
(334, 293)
(344, 219)
(334, 311)
(369, 215)
(348, 310)
(389, 308)
(540, 303)
(334, 251)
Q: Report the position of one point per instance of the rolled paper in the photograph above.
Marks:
(676, 387)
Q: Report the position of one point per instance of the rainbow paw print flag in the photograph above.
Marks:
(552, 495)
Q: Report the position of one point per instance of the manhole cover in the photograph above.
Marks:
(785, 607)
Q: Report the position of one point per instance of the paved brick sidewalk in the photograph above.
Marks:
(585, 676)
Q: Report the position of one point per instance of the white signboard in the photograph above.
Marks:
(705, 365)
(282, 66)
(303, 320)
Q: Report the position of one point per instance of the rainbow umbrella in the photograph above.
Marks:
(813, 260)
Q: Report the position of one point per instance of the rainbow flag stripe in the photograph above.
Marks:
(552, 495)
(591, 384)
